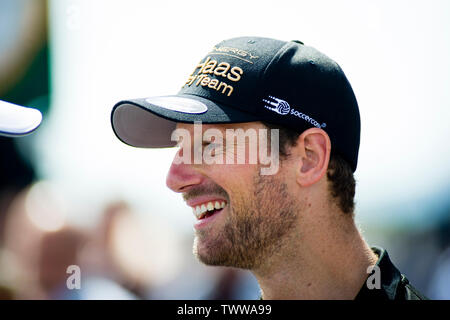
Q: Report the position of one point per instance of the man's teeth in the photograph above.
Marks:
(200, 210)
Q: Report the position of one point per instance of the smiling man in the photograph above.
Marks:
(282, 209)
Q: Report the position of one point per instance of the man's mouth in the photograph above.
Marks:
(207, 209)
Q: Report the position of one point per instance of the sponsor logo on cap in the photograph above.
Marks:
(216, 75)
(277, 105)
(234, 52)
(282, 107)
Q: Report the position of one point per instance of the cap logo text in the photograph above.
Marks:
(209, 68)
(282, 107)
(237, 53)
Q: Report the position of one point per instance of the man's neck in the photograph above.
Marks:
(328, 261)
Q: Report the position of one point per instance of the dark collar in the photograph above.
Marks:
(390, 279)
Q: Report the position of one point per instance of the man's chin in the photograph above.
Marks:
(216, 254)
(209, 254)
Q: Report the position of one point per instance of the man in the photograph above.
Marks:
(288, 218)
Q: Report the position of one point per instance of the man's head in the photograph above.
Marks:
(295, 103)
(253, 216)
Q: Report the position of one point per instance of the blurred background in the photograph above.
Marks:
(73, 194)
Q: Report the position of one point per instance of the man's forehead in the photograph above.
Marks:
(222, 126)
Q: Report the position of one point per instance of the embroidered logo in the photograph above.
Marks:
(235, 53)
(277, 105)
(283, 108)
(210, 74)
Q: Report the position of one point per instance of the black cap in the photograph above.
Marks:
(251, 79)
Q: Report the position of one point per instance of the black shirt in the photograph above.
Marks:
(394, 285)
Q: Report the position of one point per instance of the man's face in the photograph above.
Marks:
(252, 213)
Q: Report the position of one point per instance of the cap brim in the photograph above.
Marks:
(17, 120)
(149, 122)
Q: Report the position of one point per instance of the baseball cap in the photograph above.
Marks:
(251, 79)
(17, 120)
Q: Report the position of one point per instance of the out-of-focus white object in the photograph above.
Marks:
(17, 120)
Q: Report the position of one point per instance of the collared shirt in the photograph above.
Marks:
(393, 284)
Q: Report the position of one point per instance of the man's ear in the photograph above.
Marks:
(314, 149)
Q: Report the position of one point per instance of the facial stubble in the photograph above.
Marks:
(256, 227)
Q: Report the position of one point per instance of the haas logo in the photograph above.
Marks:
(277, 105)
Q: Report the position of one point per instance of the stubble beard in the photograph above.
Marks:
(255, 228)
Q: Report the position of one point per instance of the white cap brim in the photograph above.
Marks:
(16, 120)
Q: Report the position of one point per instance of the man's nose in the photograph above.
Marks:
(182, 176)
